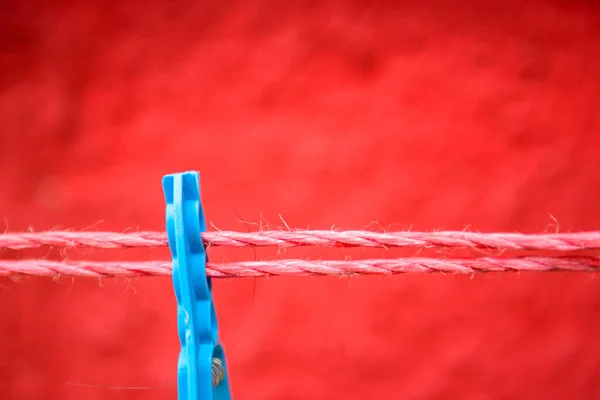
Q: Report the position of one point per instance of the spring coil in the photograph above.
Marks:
(218, 371)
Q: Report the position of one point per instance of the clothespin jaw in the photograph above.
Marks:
(202, 370)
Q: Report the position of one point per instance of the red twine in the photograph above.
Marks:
(553, 242)
(304, 267)
(446, 239)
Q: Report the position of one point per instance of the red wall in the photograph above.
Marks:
(390, 115)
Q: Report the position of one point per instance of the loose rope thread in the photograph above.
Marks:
(305, 267)
(326, 238)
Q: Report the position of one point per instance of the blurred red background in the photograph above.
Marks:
(386, 115)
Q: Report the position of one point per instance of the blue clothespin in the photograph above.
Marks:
(201, 371)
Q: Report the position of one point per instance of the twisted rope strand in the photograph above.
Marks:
(304, 267)
(103, 240)
(444, 239)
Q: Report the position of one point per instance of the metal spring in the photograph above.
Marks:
(218, 371)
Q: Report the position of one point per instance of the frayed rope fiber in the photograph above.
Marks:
(324, 238)
(305, 267)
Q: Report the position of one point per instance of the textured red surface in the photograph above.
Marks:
(430, 114)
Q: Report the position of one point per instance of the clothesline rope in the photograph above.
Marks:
(565, 244)
(323, 238)
(50, 268)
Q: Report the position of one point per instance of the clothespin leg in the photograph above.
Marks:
(202, 369)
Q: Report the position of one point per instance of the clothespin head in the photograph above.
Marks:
(202, 369)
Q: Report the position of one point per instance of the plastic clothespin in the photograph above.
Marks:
(201, 370)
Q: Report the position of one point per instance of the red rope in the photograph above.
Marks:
(514, 241)
(304, 267)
